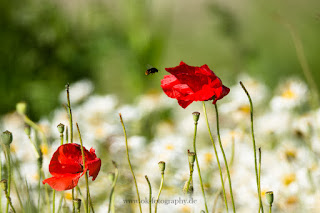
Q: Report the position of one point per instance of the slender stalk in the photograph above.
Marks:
(60, 204)
(71, 136)
(191, 166)
(224, 158)
(41, 174)
(150, 193)
(53, 200)
(224, 178)
(127, 150)
(198, 166)
(86, 174)
(67, 134)
(216, 153)
(6, 191)
(7, 150)
(259, 172)
(254, 146)
(270, 208)
(0, 179)
(111, 203)
(82, 197)
(160, 189)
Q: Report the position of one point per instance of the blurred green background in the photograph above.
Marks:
(45, 44)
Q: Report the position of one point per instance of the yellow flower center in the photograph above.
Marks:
(169, 147)
(289, 94)
(245, 108)
(292, 200)
(44, 149)
(68, 196)
(288, 179)
(208, 157)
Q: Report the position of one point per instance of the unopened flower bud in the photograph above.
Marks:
(269, 197)
(191, 157)
(21, 108)
(60, 128)
(6, 138)
(77, 204)
(190, 191)
(162, 166)
(196, 116)
(4, 184)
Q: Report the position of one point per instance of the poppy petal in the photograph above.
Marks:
(63, 182)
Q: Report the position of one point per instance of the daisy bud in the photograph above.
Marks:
(27, 129)
(4, 184)
(6, 138)
(60, 128)
(162, 166)
(196, 116)
(21, 108)
(77, 204)
(269, 197)
(191, 157)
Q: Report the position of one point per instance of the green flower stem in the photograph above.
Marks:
(224, 158)
(191, 166)
(270, 208)
(9, 200)
(198, 166)
(82, 198)
(41, 174)
(70, 114)
(127, 150)
(7, 150)
(54, 191)
(160, 189)
(67, 134)
(224, 178)
(60, 203)
(150, 193)
(86, 174)
(18, 195)
(216, 153)
(0, 179)
(259, 172)
(254, 146)
(53, 200)
(111, 201)
(71, 136)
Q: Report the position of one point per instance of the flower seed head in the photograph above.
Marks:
(196, 116)
(77, 204)
(60, 128)
(6, 138)
(269, 197)
(191, 157)
(21, 108)
(4, 184)
(162, 166)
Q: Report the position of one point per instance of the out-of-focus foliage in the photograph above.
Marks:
(45, 44)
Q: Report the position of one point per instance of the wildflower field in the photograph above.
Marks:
(151, 148)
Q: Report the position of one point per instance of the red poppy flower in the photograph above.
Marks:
(66, 166)
(188, 84)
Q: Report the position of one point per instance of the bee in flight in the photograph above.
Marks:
(151, 70)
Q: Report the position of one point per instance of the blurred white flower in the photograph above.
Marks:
(78, 91)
